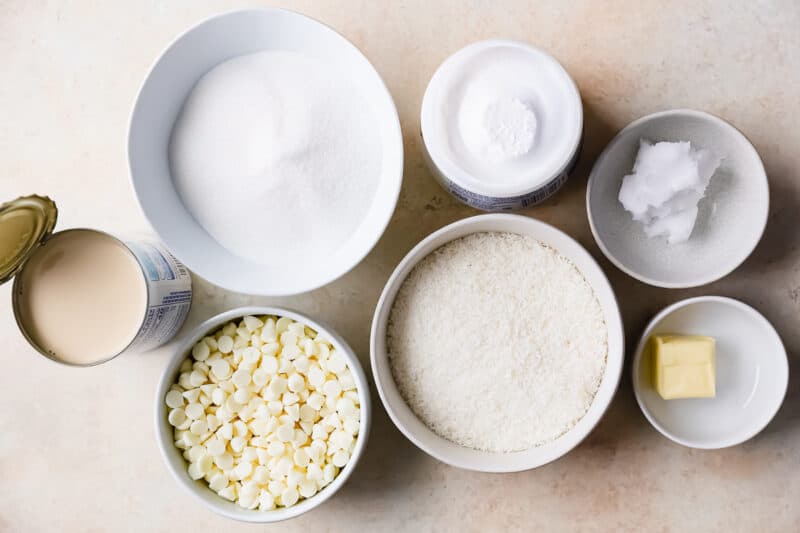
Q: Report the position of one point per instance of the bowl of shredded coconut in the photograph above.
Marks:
(266, 152)
(497, 344)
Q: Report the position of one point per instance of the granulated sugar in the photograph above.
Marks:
(276, 155)
(497, 342)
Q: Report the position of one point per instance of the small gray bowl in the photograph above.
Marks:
(173, 457)
(731, 218)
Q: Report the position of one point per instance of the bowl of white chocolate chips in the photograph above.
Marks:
(262, 413)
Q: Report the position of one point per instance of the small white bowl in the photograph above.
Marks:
(173, 457)
(752, 374)
(159, 101)
(460, 456)
(731, 219)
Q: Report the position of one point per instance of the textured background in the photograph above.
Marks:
(77, 450)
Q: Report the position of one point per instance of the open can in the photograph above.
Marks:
(154, 289)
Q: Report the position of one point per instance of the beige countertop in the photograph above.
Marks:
(77, 447)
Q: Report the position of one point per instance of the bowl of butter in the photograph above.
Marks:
(710, 372)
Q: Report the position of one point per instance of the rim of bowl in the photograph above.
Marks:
(166, 444)
(762, 219)
(637, 357)
(394, 124)
(614, 361)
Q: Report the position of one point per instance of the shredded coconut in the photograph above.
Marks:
(497, 342)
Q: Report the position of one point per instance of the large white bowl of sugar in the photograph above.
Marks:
(173, 213)
(455, 454)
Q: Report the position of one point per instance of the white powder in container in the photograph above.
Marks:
(501, 123)
(276, 154)
(497, 342)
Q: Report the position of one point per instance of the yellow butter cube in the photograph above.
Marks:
(683, 366)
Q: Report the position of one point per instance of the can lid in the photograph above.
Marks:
(24, 224)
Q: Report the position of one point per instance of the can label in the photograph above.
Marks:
(492, 203)
(507, 203)
(169, 295)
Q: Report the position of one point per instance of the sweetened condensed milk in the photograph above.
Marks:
(82, 297)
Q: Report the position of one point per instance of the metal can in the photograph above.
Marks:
(165, 287)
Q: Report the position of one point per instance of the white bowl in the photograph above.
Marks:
(159, 101)
(731, 219)
(751, 380)
(445, 450)
(173, 456)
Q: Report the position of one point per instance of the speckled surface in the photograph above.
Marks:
(77, 450)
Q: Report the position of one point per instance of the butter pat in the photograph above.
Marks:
(683, 366)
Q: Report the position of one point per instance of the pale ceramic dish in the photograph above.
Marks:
(160, 99)
(173, 457)
(731, 218)
(752, 374)
(454, 454)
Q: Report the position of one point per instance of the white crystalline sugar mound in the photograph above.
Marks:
(667, 183)
(276, 155)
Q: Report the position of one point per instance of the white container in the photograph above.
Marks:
(199, 489)
(460, 456)
(159, 101)
(534, 78)
(752, 374)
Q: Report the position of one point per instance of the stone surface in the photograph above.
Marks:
(77, 449)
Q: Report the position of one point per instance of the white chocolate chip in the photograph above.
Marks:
(252, 323)
(282, 324)
(225, 344)
(266, 501)
(242, 396)
(351, 425)
(176, 416)
(290, 398)
(174, 399)
(241, 378)
(296, 383)
(221, 369)
(345, 407)
(197, 378)
(218, 482)
(229, 492)
(332, 389)
(336, 363)
(192, 395)
(285, 432)
(307, 488)
(201, 351)
(316, 376)
(199, 427)
(340, 458)
(329, 472)
(289, 497)
(307, 413)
